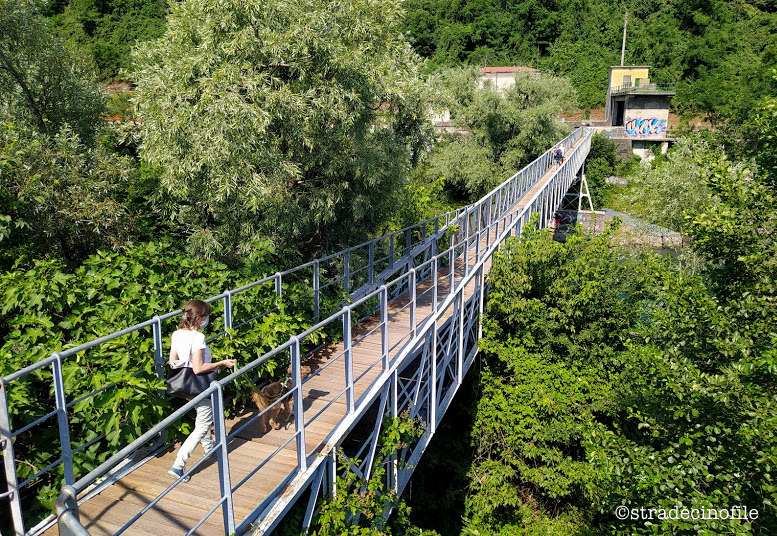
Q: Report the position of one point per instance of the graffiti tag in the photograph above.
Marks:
(651, 126)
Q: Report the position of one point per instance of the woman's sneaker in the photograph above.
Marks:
(178, 473)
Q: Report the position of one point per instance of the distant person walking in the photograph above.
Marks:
(189, 349)
(558, 154)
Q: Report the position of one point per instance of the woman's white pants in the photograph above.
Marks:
(200, 434)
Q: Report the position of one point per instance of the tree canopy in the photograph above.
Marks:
(41, 82)
(501, 131)
(268, 118)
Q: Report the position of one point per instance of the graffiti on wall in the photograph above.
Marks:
(651, 126)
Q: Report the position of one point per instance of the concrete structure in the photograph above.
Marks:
(637, 110)
(502, 78)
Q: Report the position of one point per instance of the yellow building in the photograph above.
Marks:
(638, 107)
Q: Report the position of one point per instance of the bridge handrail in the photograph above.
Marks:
(509, 189)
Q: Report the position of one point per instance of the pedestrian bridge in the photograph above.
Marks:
(407, 332)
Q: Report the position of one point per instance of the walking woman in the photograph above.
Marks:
(188, 349)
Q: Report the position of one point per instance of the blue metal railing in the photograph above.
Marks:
(384, 274)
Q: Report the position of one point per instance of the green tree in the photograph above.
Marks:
(107, 29)
(763, 138)
(602, 161)
(557, 320)
(60, 198)
(41, 82)
(662, 194)
(505, 130)
(287, 120)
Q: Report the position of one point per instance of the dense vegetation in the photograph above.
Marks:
(266, 133)
(613, 377)
(721, 52)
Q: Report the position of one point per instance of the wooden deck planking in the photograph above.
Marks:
(187, 503)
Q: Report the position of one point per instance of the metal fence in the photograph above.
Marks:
(371, 275)
(643, 88)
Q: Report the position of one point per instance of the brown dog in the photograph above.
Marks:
(281, 414)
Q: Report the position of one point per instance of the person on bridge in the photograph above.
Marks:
(558, 154)
(189, 349)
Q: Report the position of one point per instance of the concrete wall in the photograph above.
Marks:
(636, 71)
(499, 81)
(646, 116)
(644, 148)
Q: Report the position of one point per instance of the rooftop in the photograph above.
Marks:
(521, 68)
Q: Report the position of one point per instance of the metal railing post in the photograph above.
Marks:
(316, 291)
(222, 456)
(62, 420)
(391, 250)
(371, 262)
(159, 361)
(433, 380)
(466, 242)
(348, 354)
(460, 353)
(347, 271)
(434, 284)
(227, 311)
(394, 413)
(66, 509)
(413, 304)
(478, 233)
(278, 285)
(482, 283)
(384, 331)
(6, 442)
(299, 413)
(451, 268)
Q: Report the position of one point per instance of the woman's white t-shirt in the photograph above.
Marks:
(184, 342)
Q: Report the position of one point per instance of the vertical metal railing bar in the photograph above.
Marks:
(6, 437)
(348, 351)
(434, 284)
(279, 284)
(413, 302)
(384, 330)
(433, 378)
(391, 251)
(62, 419)
(158, 349)
(316, 291)
(371, 262)
(228, 311)
(222, 457)
(347, 272)
(296, 385)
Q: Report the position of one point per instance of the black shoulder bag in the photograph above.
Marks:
(184, 383)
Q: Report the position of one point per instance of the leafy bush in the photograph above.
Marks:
(602, 161)
(46, 309)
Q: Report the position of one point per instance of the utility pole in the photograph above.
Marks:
(623, 46)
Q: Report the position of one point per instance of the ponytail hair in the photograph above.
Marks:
(193, 313)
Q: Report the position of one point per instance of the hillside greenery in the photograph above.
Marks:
(720, 53)
(263, 134)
